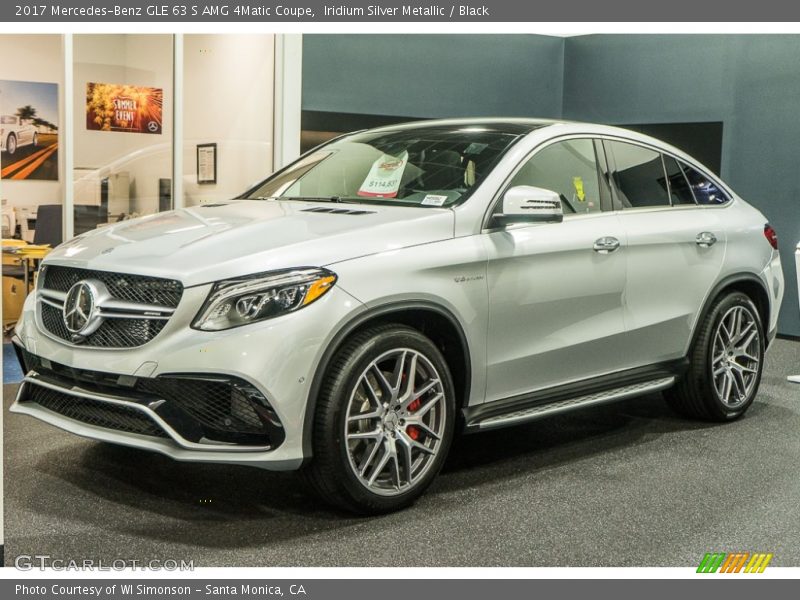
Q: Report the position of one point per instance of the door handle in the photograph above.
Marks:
(705, 239)
(605, 245)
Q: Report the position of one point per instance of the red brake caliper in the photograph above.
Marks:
(412, 430)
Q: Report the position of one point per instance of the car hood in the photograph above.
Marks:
(216, 241)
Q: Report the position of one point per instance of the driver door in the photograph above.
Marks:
(556, 289)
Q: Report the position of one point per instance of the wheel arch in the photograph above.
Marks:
(431, 319)
(747, 283)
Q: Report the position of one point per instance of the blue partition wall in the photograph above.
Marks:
(749, 83)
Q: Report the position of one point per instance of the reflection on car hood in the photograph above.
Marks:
(207, 243)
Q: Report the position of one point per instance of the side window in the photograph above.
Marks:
(638, 175)
(568, 168)
(680, 192)
(705, 190)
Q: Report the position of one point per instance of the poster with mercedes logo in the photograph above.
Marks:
(124, 108)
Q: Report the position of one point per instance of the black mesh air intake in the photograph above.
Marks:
(94, 412)
(200, 408)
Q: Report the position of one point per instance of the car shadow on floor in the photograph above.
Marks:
(132, 492)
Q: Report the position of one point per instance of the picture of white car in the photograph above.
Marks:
(16, 133)
(396, 287)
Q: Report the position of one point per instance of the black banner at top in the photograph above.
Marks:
(309, 11)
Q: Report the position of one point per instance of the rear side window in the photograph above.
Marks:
(705, 191)
(568, 168)
(680, 192)
(638, 175)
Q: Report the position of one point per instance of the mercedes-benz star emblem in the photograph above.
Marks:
(78, 307)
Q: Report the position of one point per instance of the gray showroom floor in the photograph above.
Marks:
(628, 484)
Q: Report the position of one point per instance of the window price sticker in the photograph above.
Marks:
(383, 180)
(434, 200)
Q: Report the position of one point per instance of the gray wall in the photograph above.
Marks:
(433, 75)
(750, 83)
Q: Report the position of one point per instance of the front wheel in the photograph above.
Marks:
(726, 362)
(11, 144)
(384, 421)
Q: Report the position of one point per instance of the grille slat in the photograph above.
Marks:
(94, 412)
(113, 332)
(132, 288)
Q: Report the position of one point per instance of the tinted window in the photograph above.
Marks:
(680, 192)
(639, 176)
(705, 190)
(567, 168)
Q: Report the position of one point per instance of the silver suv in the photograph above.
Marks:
(353, 312)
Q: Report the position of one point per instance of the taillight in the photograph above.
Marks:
(771, 236)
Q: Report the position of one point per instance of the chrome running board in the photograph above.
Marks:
(551, 408)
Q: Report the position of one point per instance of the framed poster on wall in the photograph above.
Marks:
(124, 108)
(29, 130)
(206, 163)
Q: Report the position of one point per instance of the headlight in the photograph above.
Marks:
(236, 302)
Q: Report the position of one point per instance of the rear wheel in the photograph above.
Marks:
(726, 362)
(11, 144)
(384, 421)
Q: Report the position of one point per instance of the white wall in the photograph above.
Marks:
(32, 58)
(144, 60)
(228, 100)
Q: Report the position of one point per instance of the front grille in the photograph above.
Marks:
(113, 332)
(94, 412)
(200, 408)
(131, 288)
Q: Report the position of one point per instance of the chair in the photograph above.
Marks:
(49, 216)
(48, 225)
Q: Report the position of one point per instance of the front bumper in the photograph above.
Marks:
(131, 396)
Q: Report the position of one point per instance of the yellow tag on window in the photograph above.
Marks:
(578, 183)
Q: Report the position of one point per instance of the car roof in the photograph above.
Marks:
(515, 126)
(523, 126)
(518, 126)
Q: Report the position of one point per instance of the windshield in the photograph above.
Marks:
(435, 166)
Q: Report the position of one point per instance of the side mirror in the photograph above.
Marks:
(528, 204)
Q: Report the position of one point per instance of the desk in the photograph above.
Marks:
(27, 256)
(30, 256)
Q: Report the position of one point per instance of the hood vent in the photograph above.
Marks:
(338, 211)
(213, 205)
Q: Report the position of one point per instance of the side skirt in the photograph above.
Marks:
(550, 401)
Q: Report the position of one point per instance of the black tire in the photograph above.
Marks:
(695, 395)
(35, 140)
(329, 472)
(11, 144)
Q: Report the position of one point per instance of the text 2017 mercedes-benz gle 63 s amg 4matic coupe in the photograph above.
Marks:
(396, 287)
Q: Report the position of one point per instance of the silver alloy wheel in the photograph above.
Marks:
(11, 144)
(736, 356)
(396, 418)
